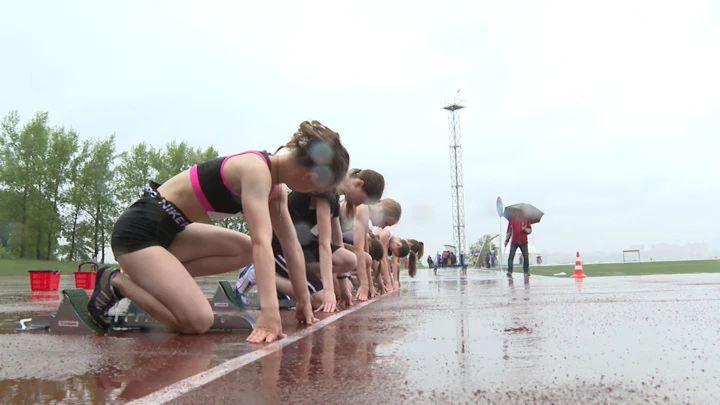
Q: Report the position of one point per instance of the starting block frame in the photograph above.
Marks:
(72, 317)
(226, 300)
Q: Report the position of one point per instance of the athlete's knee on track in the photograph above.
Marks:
(195, 322)
(344, 261)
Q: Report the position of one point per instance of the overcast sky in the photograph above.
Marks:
(605, 115)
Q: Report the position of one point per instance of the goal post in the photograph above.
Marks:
(631, 255)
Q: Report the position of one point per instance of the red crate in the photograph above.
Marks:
(85, 279)
(44, 280)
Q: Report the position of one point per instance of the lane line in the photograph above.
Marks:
(182, 387)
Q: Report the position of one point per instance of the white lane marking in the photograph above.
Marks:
(172, 392)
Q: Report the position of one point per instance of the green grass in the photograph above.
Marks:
(631, 269)
(20, 267)
(17, 267)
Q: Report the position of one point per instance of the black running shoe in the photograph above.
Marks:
(103, 297)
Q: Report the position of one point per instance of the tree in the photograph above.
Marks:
(10, 229)
(22, 169)
(63, 145)
(175, 158)
(61, 196)
(236, 224)
(132, 172)
(75, 202)
(96, 176)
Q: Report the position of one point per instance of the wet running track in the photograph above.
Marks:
(479, 338)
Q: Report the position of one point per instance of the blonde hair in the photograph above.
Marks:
(391, 209)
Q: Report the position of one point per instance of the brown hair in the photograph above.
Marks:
(376, 249)
(412, 264)
(417, 247)
(373, 186)
(409, 247)
(318, 147)
(373, 182)
(404, 249)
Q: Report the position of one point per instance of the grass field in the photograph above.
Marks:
(630, 269)
(20, 267)
(16, 267)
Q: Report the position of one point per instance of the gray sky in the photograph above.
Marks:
(606, 116)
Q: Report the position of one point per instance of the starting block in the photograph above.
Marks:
(73, 317)
(225, 299)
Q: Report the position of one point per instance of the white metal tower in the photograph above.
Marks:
(456, 173)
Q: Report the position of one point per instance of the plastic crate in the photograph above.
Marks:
(44, 280)
(85, 279)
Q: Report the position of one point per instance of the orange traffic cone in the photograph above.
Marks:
(579, 283)
(578, 267)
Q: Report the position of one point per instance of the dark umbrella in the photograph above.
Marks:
(523, 210)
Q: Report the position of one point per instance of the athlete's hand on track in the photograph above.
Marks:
(304, 314)
(362, 293)
(268, 328)
(346, 297)
(329, 303)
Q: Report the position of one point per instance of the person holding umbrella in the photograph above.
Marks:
(520, 219)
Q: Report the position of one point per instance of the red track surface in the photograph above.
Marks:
(443, 339)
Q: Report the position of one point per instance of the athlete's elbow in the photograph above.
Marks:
(325, 245)
(261, 245)
(292, 245)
